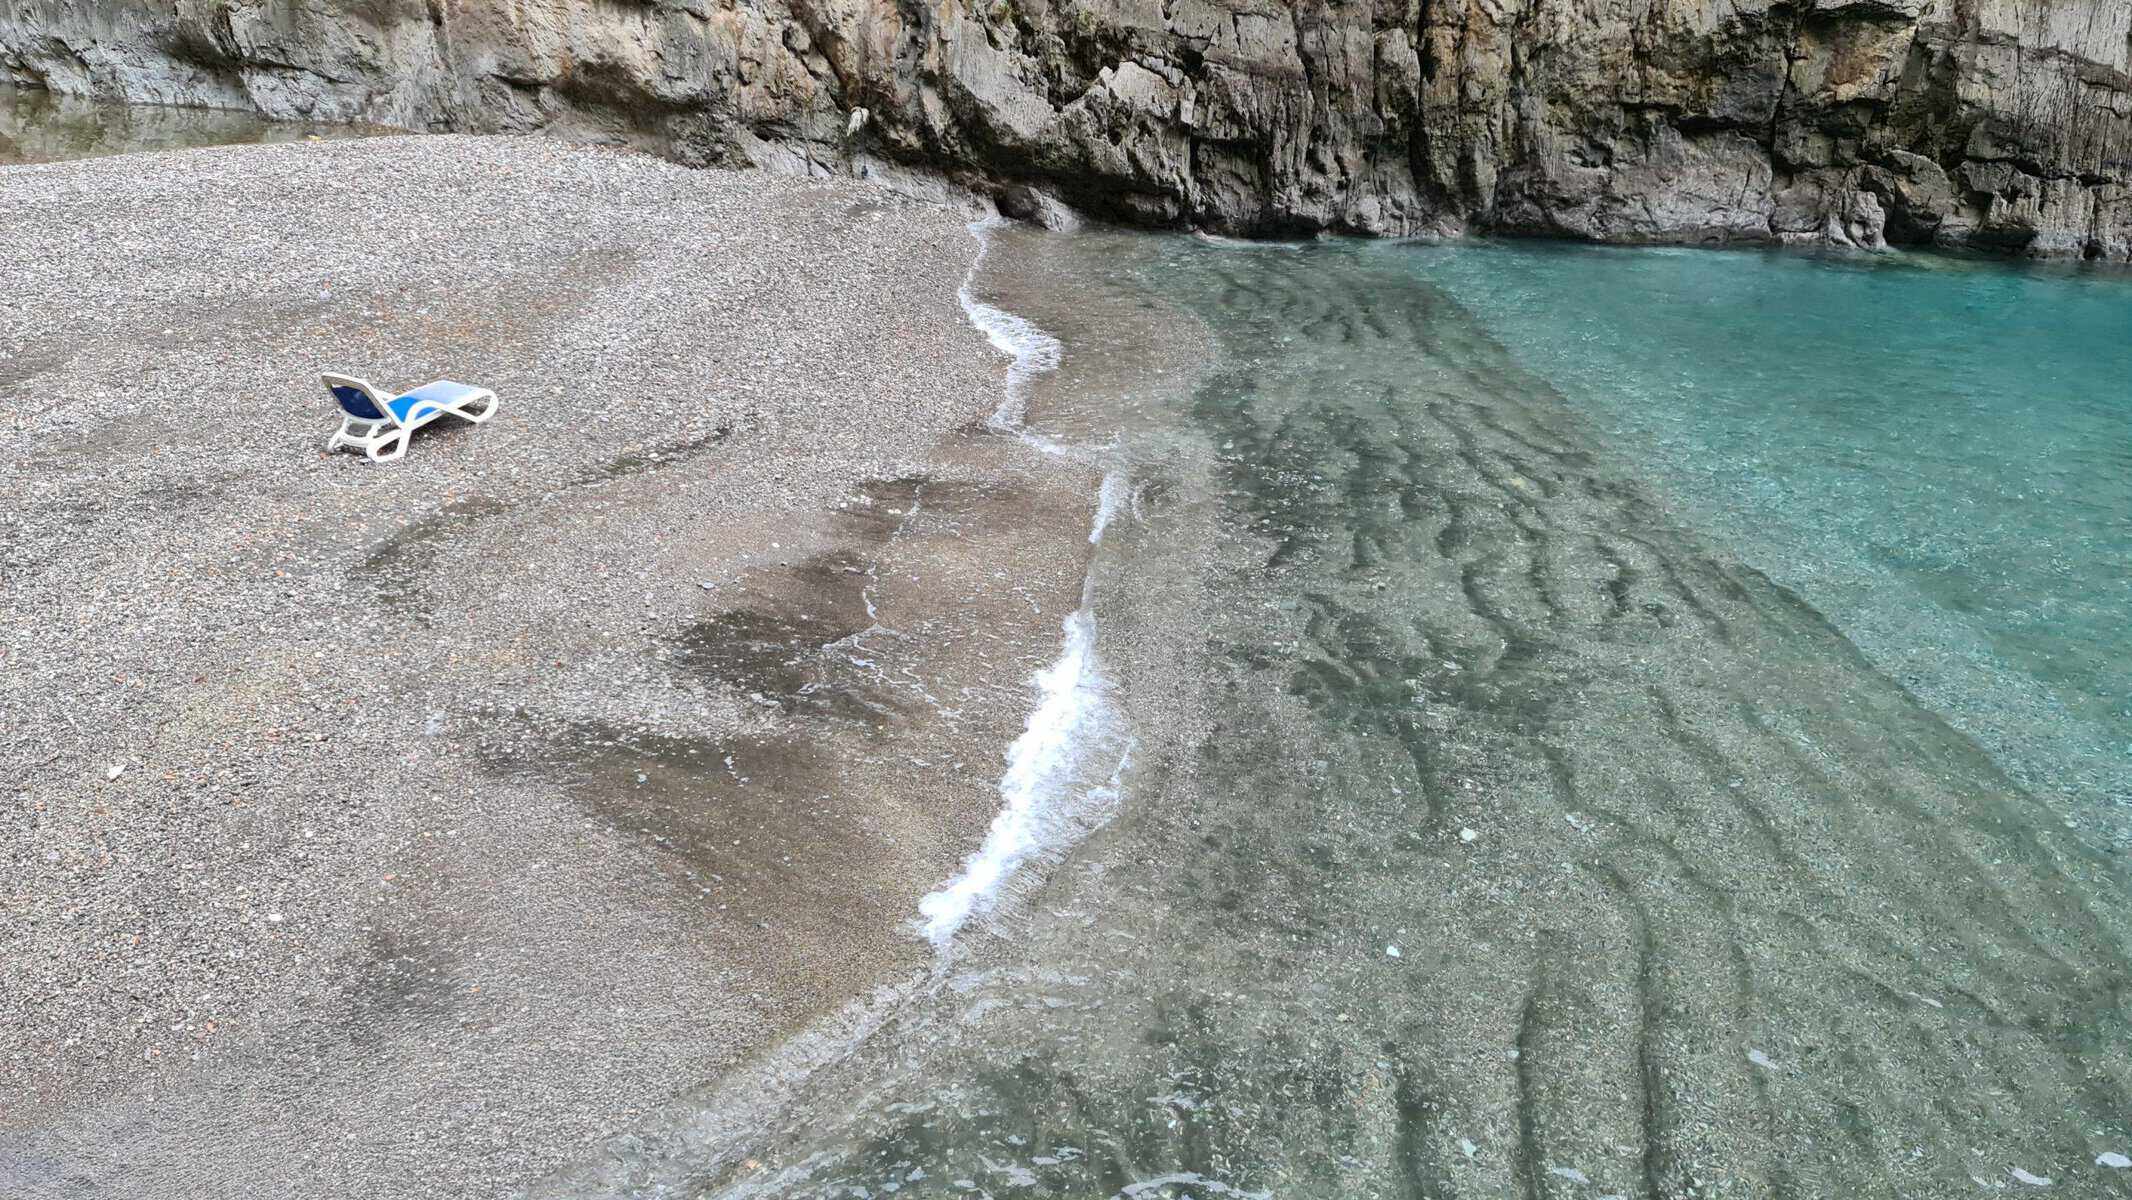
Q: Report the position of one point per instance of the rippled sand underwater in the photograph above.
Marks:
(1506, 816)
(1935, 452)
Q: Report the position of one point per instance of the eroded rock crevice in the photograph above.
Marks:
(2000, 124)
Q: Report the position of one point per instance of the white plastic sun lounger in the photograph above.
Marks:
(372, 421)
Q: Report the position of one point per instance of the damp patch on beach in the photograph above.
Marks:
(652, 458)
(747, 818)
(797, 651)
(401, 562)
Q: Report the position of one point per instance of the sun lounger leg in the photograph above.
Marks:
(397, 440)
(487, 410)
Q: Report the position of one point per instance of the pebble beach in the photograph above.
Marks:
(403, 829)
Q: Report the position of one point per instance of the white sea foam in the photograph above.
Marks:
(1047, 798)
(1116, 493)
(1044, 764)
(1033, 350)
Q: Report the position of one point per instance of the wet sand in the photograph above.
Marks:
(403, 830)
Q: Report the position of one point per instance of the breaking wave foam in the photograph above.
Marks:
(1034, 352)
(1044, 765)
(1047, 798)
(1116, 493)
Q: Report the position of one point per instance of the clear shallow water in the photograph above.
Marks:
(1507, 816)
(36, 126)
(1937, 453)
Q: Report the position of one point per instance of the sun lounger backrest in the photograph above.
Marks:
(356, 397)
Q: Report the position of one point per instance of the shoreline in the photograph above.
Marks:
(1046, 792)
(709, 1139)
(608, 835)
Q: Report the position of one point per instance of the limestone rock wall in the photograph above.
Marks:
(1997, 123)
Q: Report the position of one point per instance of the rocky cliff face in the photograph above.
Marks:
(1995, 123)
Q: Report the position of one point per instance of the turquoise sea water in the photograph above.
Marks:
(1935, 452)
